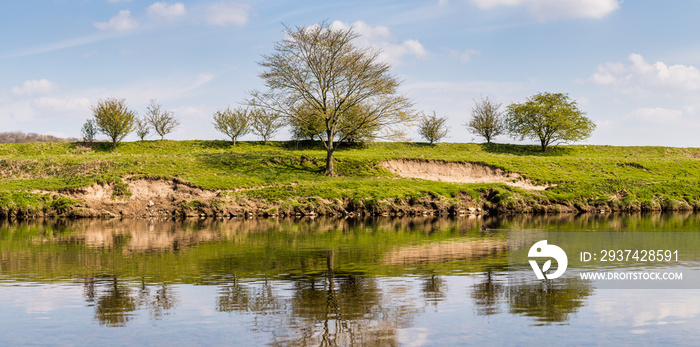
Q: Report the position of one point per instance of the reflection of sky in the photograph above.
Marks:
(58, 313)
(655, 307)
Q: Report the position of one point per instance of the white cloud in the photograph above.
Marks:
(466, 56)
(62, 104)
(380, 37)
(121, 22)
(639, 76)
(227, 13)
(556, 9)
(163, 10)
(33, 87)
(654, 115)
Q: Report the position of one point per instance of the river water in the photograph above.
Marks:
(407, 281)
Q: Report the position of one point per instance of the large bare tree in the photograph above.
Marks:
(319, 80)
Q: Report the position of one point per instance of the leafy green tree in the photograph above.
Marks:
(433, 128)
(114, 119)
(265, 124)
(89, 131)
(551, 118)
(487, 120)
(162, 121)
(316, 78)
(142, 128)
(233, 123)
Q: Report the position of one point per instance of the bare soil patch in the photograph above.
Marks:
(458, 172)
(147, 196)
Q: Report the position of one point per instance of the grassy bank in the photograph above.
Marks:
(287, 174)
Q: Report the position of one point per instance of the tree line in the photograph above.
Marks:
(327, 89)
(21, 137)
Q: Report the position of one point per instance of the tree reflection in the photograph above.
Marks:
(433, 288)
(240, 297)
(345, 310)
(544, 301)
(548, 303)
(488, 294)
(160, 302)
(115, 305)
(115, 301)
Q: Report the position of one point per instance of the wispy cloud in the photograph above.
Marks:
(227, 13)
(56, 46)
(642, 76)
(381, 37)
(121, 22)
(33, 87)
(163, 10)
(466, 56)
(556, 9)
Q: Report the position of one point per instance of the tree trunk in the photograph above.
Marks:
(329, 153)
(329, 162)
(544, 145)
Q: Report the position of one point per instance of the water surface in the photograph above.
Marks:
(413, 282)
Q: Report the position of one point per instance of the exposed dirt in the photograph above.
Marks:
(145, 197)
(173, 198)
(458, 172)
(153, 198)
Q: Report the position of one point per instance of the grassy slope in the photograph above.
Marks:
(638, 176)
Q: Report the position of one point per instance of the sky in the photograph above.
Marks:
(632, 66)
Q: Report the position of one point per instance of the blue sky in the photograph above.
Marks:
(631, 65)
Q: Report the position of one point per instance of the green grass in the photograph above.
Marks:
(286, 170)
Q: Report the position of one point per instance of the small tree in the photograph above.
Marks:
(143, 128)
(89, 131)
(265, 124)
(114, 119)
(233, 123)
(487, 120)
(433, 128)
(162, 121)
(551, 118)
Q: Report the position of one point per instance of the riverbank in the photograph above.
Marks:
(214, 178)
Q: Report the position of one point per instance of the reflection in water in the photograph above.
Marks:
(434, 289)
(545, 302)
(160, 300)
(114, 305)
(238, 297)
(489, 293)
(548, 303)
(315, 282)
(115, 300)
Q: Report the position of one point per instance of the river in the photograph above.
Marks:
(380, 281)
